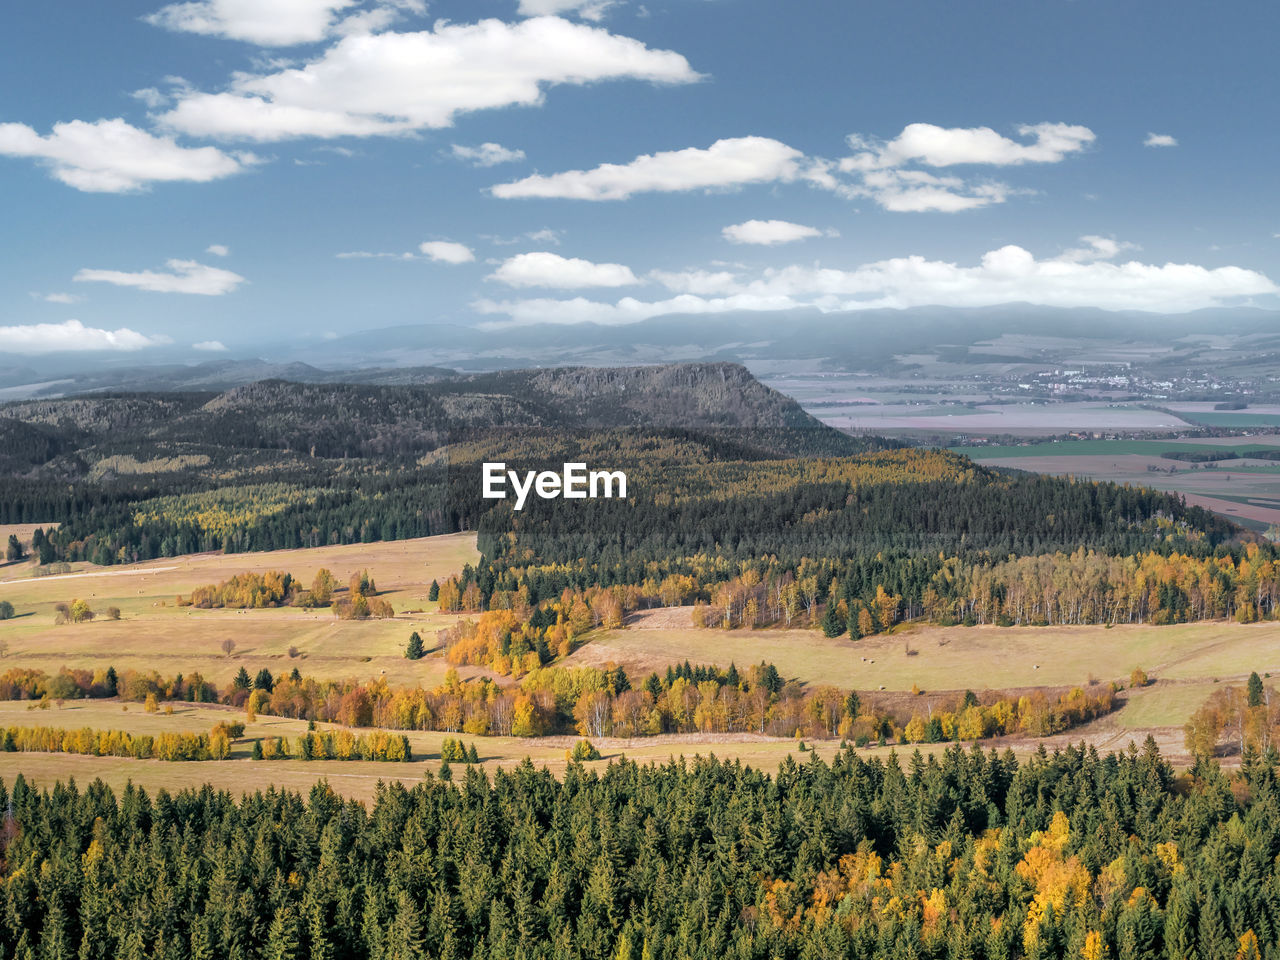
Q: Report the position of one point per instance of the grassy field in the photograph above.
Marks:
(358, 779)
(951, 658)
(155, 633)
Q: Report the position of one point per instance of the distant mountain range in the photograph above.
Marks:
(886, 341)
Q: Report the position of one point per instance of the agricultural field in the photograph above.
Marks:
(153, 633)
(1246, 490)
(953, 658)
(1019, 419)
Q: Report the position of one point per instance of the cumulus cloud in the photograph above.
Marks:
(936, 146)
(69, 336)
(552, 270)
(725, 164)
(487, 154)
(586, 9)
(398, 83)
(110, 156)
(275, 23)
(217, 249)
(446, 251)
(186, 276)
(1159, 140)
(888, 171)
(1009, 274)
(768, 232)
(210, 346)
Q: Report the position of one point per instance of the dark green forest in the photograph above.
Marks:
(966, 856)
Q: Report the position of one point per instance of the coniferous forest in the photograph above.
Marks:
(970, 855)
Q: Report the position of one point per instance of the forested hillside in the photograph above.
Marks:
(970, 857)
(277, 464)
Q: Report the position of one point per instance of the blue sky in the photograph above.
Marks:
(224, 173)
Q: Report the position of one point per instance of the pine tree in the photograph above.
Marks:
(414, 651)
(434, 593)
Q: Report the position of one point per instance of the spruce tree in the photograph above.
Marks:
(414, 651)
(832, 625)
(1255, 690)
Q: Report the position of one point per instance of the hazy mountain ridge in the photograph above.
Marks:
(342, 420)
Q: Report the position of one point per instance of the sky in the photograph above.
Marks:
(208, 176)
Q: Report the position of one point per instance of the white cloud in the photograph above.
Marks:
(446, 251)
(1159, 140)
(110, 156)
(217, 249)
(768, 232)
(883, 171)
(586, 9)
(1096, 248)
(69, 336)
(545, 235)
(1009, 274)
(487, 154)
(58, 297)
(210, 346)
(398, 83)
(264, 22)
(153, 98)
(440, 251)
(878, 172)
(726, 163)
(187, 277)
(552, 270)
(936, 146)
(917, 191)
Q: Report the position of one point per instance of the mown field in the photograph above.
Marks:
(154, 633)
(953, 658)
